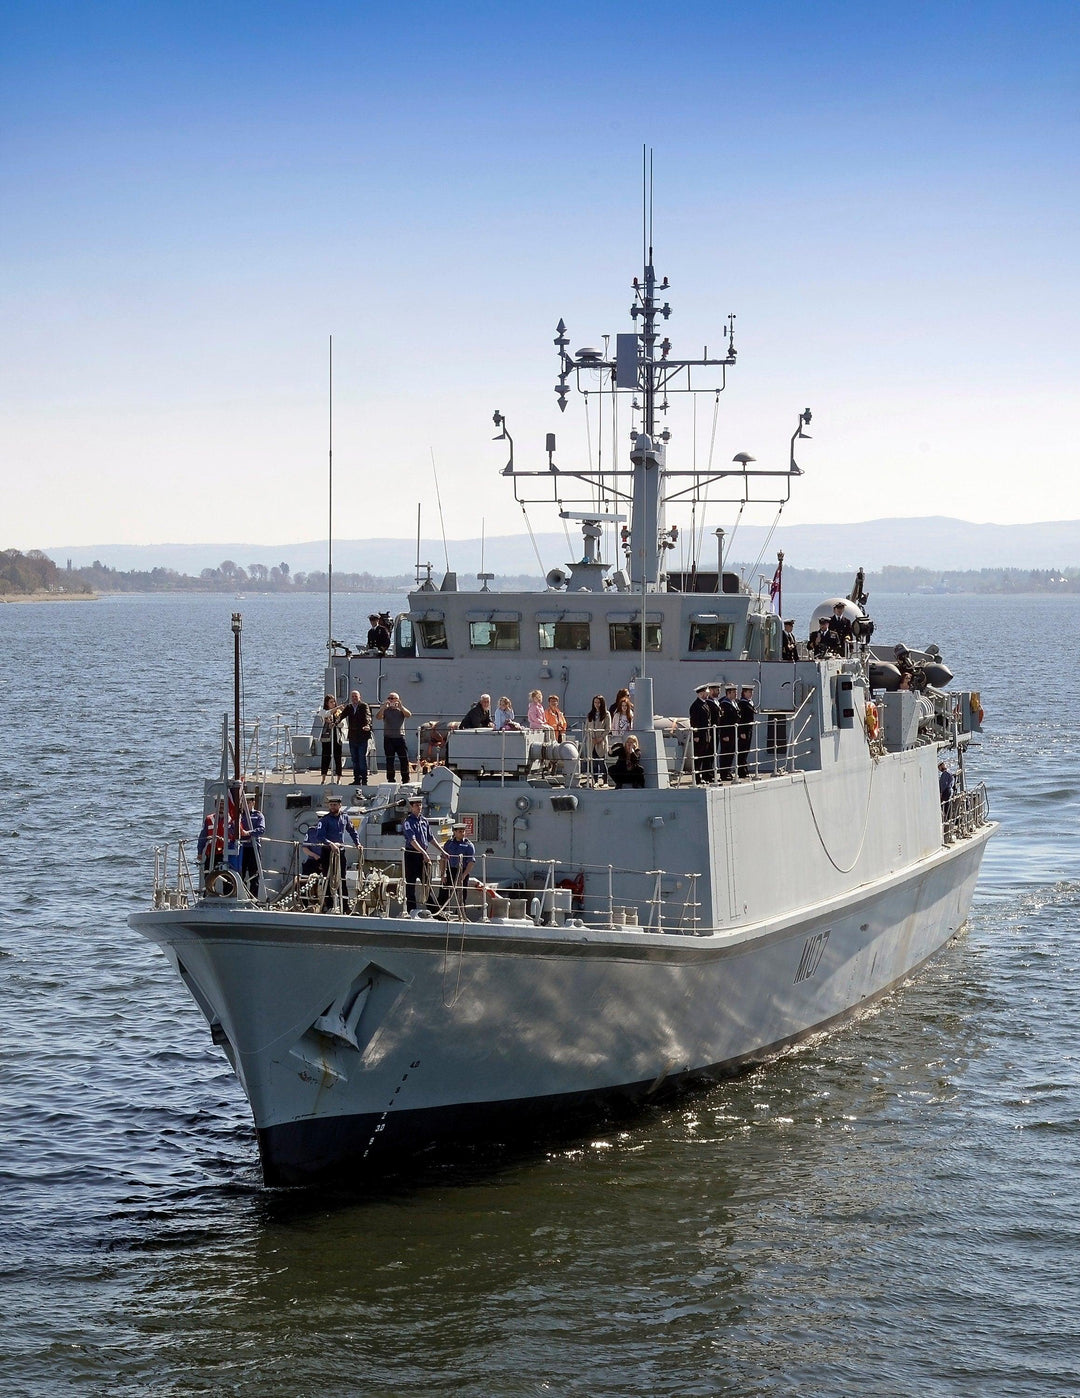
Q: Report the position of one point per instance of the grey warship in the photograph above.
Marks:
(613, 944)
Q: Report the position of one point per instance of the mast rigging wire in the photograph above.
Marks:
(588, 429)
(699, 543)
(438, 501)
(768, 538)
(566, 532)
(532, 538)
(735, 527)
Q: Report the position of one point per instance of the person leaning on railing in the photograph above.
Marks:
(537, 715)
(555, 718)
(479, 716)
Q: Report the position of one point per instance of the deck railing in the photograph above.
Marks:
(544, 891)
(964, 812)
(548, 891)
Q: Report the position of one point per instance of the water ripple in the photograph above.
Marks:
(886, 1211)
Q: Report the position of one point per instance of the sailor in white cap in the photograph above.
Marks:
(745, 730)
(326, 838)
(729, 721)
(459, 857)
(419, 841)
(702, 729)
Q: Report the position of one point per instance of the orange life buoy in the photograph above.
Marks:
(871, 721)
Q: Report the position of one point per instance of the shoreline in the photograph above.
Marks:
(49, 596)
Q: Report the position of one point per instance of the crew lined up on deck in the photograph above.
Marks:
(722, 731)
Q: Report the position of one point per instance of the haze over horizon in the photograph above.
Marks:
(197, 198)
(935, 542)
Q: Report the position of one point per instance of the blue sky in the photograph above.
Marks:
(197, 196)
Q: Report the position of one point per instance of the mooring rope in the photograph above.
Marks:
(866, 825)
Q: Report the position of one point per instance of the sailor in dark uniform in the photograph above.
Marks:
(702, 728)
(378, 636)
(789, 645)
(840, 627)
(822, 641)
(745, 730)
(729, 723)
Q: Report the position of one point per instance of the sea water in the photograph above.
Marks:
(891, 1210)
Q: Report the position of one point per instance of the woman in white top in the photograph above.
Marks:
(328, 728)
(622, 715)
(504, 716)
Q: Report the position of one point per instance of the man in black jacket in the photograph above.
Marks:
(358, 717)
(479, 716)
(840, 626)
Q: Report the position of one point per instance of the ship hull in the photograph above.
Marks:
(363, 1044)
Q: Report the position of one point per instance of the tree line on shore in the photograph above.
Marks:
(33, 571)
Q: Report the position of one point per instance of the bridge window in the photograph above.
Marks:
(433, 635)
(406, 641)
(495, 635)
(711, 635)
(626, 635)
(564, 635)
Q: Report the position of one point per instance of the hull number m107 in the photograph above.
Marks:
(811, 957)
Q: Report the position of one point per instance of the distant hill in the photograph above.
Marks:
(935, 542)
(35, 574)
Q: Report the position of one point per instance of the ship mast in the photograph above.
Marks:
(648, 455)
(644, 367)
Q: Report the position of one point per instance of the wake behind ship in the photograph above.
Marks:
(647, 904)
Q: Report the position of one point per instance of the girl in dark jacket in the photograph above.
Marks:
(627, 769)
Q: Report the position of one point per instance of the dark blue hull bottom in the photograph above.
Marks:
(353, 1148)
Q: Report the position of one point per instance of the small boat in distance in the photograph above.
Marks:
(752, 866)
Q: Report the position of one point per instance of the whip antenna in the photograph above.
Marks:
(330, 510)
